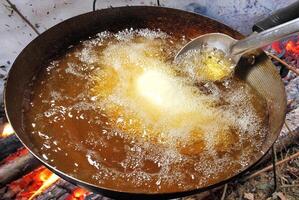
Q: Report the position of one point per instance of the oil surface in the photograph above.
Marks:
(116, 111)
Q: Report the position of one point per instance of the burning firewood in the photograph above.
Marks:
(9, 145)
(29, 186)
(16, 165)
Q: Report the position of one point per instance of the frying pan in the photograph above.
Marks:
(262, 75)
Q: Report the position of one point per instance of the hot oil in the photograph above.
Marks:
(115, 111)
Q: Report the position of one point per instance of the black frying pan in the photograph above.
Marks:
(262, 75)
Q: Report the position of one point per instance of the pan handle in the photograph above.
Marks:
(278, 17)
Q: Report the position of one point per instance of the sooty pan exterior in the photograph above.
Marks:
(262, 75)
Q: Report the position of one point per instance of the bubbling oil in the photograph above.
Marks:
(116, 111)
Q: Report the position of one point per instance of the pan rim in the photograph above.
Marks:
(130, 193)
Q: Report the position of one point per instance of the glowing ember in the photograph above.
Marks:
(286, 47)
(7, 130)
(47, 178)
(78, 194)
(287, 50)
(33, 183)
(277, 47)
(293, 47)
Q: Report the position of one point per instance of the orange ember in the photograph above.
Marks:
(44, 175)
(293, 47)
(47, 178)
(33, 184)
(277, 47)
(78, 194)
(6, 130)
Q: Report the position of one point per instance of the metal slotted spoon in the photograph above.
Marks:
(233, 48)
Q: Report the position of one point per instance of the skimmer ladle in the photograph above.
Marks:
(233, 48)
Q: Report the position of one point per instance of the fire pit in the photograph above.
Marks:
(23, 177)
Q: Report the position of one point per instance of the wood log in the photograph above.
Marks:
(9, 145)
(17, 168)
(7, 194)
(59, 190)
(96, 197)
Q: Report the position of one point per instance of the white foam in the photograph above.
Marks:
(72, 69)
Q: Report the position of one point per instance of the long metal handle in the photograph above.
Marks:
(257, 40)
(278, 17)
